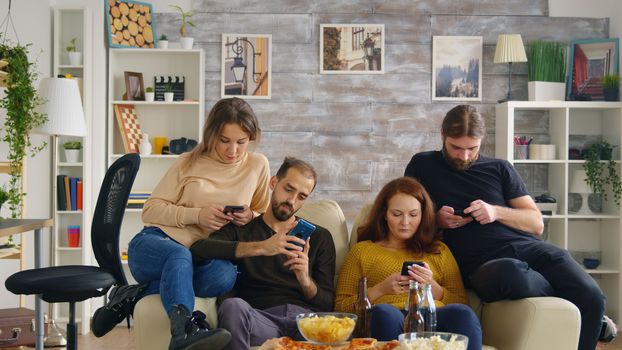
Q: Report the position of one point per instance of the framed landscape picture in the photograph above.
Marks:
(352, 49)
(456, 68)
(246, 66)
(590, 60)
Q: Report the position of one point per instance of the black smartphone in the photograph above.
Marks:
(409, 263)
(233, 208)
(302, 230)
(460, 212)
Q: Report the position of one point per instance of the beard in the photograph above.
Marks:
(458, 164)
(282, 211)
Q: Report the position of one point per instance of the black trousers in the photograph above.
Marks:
(536, 268)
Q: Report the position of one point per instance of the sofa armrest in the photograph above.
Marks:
(531, 323)
(152, 325)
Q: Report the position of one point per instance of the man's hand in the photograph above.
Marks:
(282, 243)
(445, 218)
(483, 212)
(213, 218)
(299, 264)
(241, 218)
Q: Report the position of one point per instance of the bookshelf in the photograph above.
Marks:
(73, 22)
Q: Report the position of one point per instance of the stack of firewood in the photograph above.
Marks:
(130, 24)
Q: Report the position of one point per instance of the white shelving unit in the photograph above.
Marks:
(569, 124)
(73, 22)
(165, 119)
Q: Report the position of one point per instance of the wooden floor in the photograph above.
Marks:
(121, 338)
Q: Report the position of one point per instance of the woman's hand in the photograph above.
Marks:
(424, 275)
(213, 218)
(243, 217)
(394, 284)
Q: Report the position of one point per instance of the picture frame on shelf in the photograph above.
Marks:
(129, 127)
(352, 48)
(130, 24)
(134, 86)
(246, 68)
(457, 68)
(590, 60)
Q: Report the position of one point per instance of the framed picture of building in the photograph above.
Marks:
(456, 68)
(352, 49)
(246, 66)
(590, 60)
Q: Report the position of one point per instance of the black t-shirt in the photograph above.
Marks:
(263, 281)
(492, 180)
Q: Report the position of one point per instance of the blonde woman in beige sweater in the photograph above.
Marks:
(188, 204)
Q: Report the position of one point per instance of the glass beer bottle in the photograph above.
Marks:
(413, 322)
(362, 308)
(428, 308)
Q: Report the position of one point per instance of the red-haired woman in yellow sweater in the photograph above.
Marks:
(400, 228)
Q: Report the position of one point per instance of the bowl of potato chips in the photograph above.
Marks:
(326, 328)
(433, 341)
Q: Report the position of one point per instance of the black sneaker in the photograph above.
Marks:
(120, 306)
(608, 330)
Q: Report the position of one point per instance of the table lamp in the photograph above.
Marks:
(63, 106)
(509, 49)
(581, 187)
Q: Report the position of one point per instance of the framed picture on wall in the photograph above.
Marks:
(456, 68)
(246, 66)
(129, 24)
(352, 49)
(590, 60)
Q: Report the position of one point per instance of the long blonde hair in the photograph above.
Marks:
(226, 111)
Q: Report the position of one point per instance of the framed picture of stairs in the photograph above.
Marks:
(590, 60)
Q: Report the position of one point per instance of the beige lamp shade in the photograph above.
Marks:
(63, 106)
(510, 49)
(578, 184)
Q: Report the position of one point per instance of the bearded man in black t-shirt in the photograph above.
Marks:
(491, 225)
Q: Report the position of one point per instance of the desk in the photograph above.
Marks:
(14, 226)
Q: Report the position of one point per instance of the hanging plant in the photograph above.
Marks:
(20, 102)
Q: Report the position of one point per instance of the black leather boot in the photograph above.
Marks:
(187, 335)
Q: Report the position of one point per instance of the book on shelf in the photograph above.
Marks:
(73, 191)
(61, 204)
(79, 194)
(67, 194)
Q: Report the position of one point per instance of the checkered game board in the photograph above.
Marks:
(127, 119)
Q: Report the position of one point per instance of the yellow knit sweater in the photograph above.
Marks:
(377, 263)
(176, 201)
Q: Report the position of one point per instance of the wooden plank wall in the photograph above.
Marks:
(360, 131)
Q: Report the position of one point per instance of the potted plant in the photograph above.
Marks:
(168, 93)
(599, 174)
(20, 102)
(75, 56)
(546, 68)
(163, 42)
(186, 42)
(611, 86)
(72, 151)
(149, 94)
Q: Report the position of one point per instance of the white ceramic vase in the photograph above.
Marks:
(75, 58)
(186, 42)
(149, 96)
(145, 146)
(168, 96)
(546, 91)
(163, 44)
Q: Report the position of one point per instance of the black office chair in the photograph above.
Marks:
(74, 283)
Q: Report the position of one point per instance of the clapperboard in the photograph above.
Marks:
(177, 83)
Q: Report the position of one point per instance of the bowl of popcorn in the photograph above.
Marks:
(433, 341)
(326, 328)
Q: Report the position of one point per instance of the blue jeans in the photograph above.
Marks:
(168, 267)
(387, 322)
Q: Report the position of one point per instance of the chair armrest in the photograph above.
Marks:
(531, 323)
